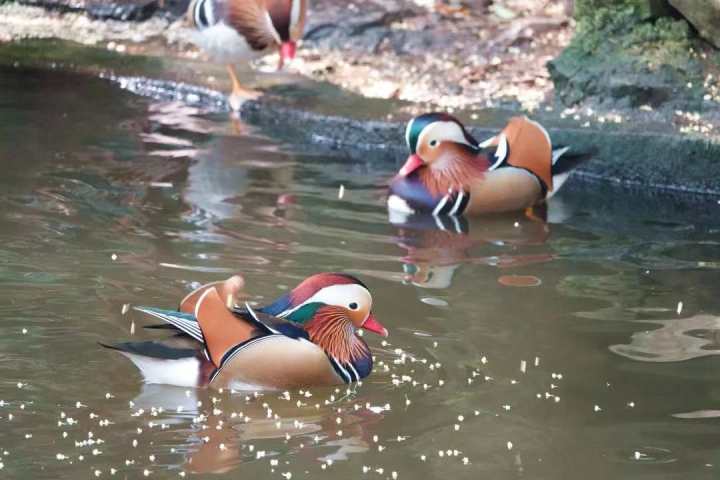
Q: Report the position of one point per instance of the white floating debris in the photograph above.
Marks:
(24, 331)
(509, 445)
(435, 302)
(341, 191)
(113, 257)
(125, 308)
(523, 366)
(597, 408)
(679, 308)
(161, 184)
(631, 404)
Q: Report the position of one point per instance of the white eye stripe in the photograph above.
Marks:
(339, 295)
(441, 131)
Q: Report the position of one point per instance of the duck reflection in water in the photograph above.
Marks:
(229, 429)
(437, 246)
(233, 162)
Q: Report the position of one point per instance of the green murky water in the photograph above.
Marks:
(604, 368)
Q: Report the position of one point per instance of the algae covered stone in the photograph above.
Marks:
(621, 56)
(704, 15)
(644, 8)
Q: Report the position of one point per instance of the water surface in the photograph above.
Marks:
(580, 342)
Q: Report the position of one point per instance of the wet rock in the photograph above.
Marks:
(365, 31)
(123, 10)
(704, 15)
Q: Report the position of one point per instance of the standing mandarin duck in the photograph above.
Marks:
(305, 338)
(240, 30)
(449, 173)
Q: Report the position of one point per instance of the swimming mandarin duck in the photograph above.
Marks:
(448, 172)
(240, 30)
(305, 338)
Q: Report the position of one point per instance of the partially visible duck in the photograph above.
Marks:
(448, 172)
(233, 31)
(305, 338)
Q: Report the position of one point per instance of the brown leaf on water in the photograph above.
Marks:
(519, 281)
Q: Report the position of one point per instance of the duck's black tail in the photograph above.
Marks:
(566, 159)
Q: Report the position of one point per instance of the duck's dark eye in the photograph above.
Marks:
(353, 306)
(433, 143)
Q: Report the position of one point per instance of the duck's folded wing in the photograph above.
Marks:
(272, 324)
(251, 20)
(185, 322)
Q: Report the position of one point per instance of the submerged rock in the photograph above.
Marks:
(704, 15)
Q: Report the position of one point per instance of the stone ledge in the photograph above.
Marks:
(635, 154)
(659, 161)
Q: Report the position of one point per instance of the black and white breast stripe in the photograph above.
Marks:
(452, 204)
(204, 14)
(345, 371)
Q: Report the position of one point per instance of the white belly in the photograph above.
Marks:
(224, 44)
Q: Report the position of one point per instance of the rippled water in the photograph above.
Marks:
(581, 346)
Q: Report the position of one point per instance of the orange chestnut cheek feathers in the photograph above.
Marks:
(372, 325)
(411, 164)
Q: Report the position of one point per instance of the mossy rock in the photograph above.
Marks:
(619, 55)
(645, 8)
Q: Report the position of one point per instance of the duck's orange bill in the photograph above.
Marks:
(287, 51)
(372, 325)
(411, 164)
